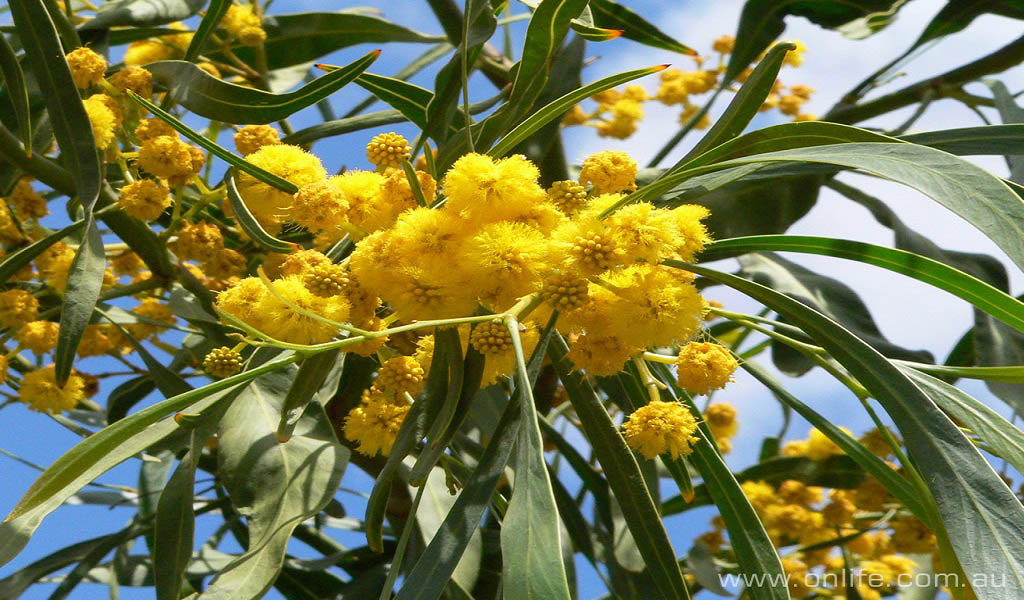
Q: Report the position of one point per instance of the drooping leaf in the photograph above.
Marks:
(248, 221)
(85, 278)
(15, 261)
(1009, 112)
(613, 15)
(15, 88)
(409, 99)
(216, 99)
(314, 372)
(143, 13)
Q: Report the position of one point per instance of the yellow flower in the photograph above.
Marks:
(500, 356)
(790, 105)
(397, 194)
(388, 150)
(38, 336)
(243, 24)
(40, 391)
(133, 78)
(96, 340)
(840, 510)
(104, 121)
(700, 82)
(801, 91)
(154, 127)
(431, 240)
(225, 262)
(326, 280)
(144, 199)
(661, 427)
(485, 190)
(416, 294)
(642, 232)
(672, 91)
(600, 354)
(585, 245)
(17, 307)
(703, 367)
(505, 261)
(222, 362)
(796, 492)
(268, 204)
(609, 172)
(319, 206)
(166, 156)
(151, 309)
(399, 375)
(796, 57)
(820, 447)
(87, 67)
(54, 265)
(690, 234)
(723, 44)
(259, 308)
(565, 292)
(28, 203)
(721, 419)
(301, 262)
(911, 536)
(251, 138)
(3, 368)
(805, 117)
(568, 196)
(362, 190)
(374, 424)
(760, 494)
(198, 241)
(143, 52)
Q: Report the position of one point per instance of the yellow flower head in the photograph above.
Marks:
(198, 241)
(575, 116)
(166, 156)
(242, 299)
(877, 443)
(96, 340)
(375, 261)
(721, 419)
(103, 119)
(154, 127)
(280, 321)
(17, 307)
(40, 391)
(840, 510)
(268, 204)
(642, 232)
(585, 246)
(54, 264)
(152, 309)
(795, 57)
(87, 67)
(374, 424)
(690, 233)
(491, 337)
(700, 82)
(143, 52)
(723, 44)
(416, 294)
(505, 260)
(362, 190)
(397, 194)
(301, 262)
(431, 240)
(600, 355)
(251, 138)
(661, 427)
(144, 199)
(319, 206)
(485, 190)
(760, 494)
(565, 292)
(820, 447)
(243, 24)
(222, 362)
(609, 172)
(326, 280)
(911, 536)
(388, 150)
(796, 492)
(801, 91)
(399, 375)
(568, 196)
(224, 263)
(133, 78)
(28, 203)
(704, 366)
(38, 336)
(672, 91)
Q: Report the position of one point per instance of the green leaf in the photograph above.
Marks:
(992, 300)
(16, 261)
(248, 222)
(530, 533)
(102, 451)
(559, 107)
(214, 148)
(312, 374)
(966, 141)
(409, 99)
(623, 475)
(67, 113)
(983, 519)
(1009, 112)
(85, 278)
(216, 99)
(763, 20)
(14, 86)
(305, 37)
(276, 485)
(436, 506)
(216, 11)
(612, 15)
(143, 13)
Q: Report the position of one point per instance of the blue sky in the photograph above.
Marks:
(909, 313)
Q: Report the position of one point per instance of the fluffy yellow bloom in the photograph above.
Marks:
(87, 67)
(690, 233)
(151, 309)
(250, 302)
(642, 232)
(600, 354)
(796, 577)
(415, 294)
(795, 57)
(154, 127)
(224, 263)
(703, 367)
(723, 44)
(672, 91)
(911, 536)
(568, 196)
(486, 190)
(883, 573)
(791, 521)
(144, 199)
(268, 204)
(301, 262)
(877, 443)
(243, 24)
(197, 241)
(319, 206)
(374, 424)
(820, 447)
(222, 362)
(493, 340)
(585, 245)
(143, 52)
(362, 190)
(388, 150)
(505, 261)
(721, 419)
(54, 265)
(609, 172)
(17, 307)
(565, 292)
(796, 492)
(40, 391)
(28, 203)
(166, 156)
(397, 194)
(805, 117)
(399, 375)
(133, 78)
(431, 240)
(96, 340)
(839, 512)
(251, 138)
(575, 116)
(326, 279)
(760, 494)
(661, 427)
(8, 228)
(700, 82)
(38, 336)
(103, 119)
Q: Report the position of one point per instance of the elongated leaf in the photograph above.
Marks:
(217, 10)
(624, 476)
(985, 523)
(216, 99)
(305, 37)
(67, 113)
(559, 107)
(311, 377)
(409, 99)
(249, 223)
(992, 300)
(612, 15)
(83, 291)
(1009, 112)
(434, 509)
(14, 85)
(277, 485)
(102, 451)
(143, 13)
(966, 141)
(1002, 436)
(16, 261)
(530, 534)
(202, 141)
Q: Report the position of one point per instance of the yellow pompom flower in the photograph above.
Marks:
(198, 241)
(388, 150)
(268, 204)
(28, 203)
(672, 91)
(760, 494)
(144, 199)
(222, 362)
(152, 309)
(795, 57)
(87, 67)
(704, 366)
(609, 172)
(362, 191)
(430, 240)
(397, 194)
(568, 196)
(319, 206)
(374, 424)
(375, 261)
(242, 299)
(399, 375)
(801, 91)
(415, 294)
(251, 138)
(911, 536)
(17, 307)
(700, 82)
(790, 105)
(133, 78)
(820, 447)
(103, 119)
(505, 261)
(660, 427)
(54, 265)
(8, 228)
(242, 23)
(166, 156)
(485, 190)
(154, 127)
(38, 336)
(600, 355)
(565, 292)
(721, 419)
(326, 280)
(40, 391)
(143, 52)
(279, 320)
(690, 233)
(224, 263)
(96, 341)
(492, 337)
(723, 44)
(500, 355)
(301, 262)
(642, 232)
(585, 246)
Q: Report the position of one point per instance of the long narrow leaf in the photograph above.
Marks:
(14, 83)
